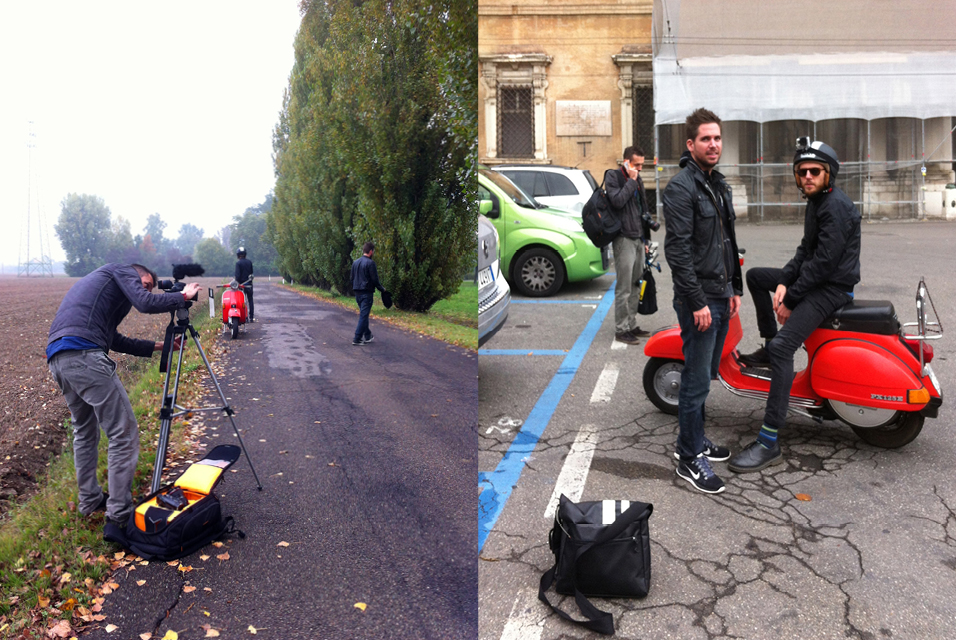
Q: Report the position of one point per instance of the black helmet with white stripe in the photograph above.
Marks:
(817, 151)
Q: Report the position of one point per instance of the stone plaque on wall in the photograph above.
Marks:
(582, 117)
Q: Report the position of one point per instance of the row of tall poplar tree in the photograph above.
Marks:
(377, 140)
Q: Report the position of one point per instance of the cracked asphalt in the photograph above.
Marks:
(872, 553)
(368, 458)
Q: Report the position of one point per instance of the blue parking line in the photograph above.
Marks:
(497, 485)
(521, 352)
(513, 301)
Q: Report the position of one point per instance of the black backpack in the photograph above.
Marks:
(600, 223)
(181, 518)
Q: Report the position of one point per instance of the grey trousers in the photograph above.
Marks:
(97, 400)
(629, 265)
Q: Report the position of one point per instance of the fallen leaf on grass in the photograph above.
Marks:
(283, 544)
(185, 569)
(803, 497)
(188, 589)
(253, 630)
(203, 557)
(207, 589)
(119, 555)
(61, 629)
(223, 556)
(110, 628)
(145, 636)
(171, 635)
(173, 563)
(66, 577)
(360, 605)
(217, 544)
(43, 602)
(140, 583)
(210, 632)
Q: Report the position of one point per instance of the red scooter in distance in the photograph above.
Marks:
(233, 306)
(863, 368)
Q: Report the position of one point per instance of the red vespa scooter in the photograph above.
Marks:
(233, 306)
(862, 368)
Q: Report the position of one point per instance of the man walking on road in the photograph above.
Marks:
(364, 283)
(81, 337)
(243, 275)
(701, 249)
(815, 283)
(625, 193)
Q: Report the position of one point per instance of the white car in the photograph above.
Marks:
(561, 187)
(494, 294)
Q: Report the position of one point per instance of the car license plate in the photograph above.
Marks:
(932, 377)
(485, 277)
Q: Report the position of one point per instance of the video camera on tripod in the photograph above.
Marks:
(180, 273)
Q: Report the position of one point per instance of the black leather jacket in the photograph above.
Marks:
(621, 192)
(694, 239)
(829, 254)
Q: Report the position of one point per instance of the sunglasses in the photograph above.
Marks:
(813, 171)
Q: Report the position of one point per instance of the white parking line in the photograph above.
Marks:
(526, 621)
(574, 473)
(617, 344)
(605, 384)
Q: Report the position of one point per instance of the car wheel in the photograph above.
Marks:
(538, 273)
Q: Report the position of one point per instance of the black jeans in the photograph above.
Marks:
(804, 319)
(252, 308)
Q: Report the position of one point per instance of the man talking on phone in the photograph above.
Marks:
(625, 193)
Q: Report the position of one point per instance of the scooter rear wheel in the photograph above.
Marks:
(662, 383)
(896, 434)
(234, 326)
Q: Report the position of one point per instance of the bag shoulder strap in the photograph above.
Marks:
(597, 620)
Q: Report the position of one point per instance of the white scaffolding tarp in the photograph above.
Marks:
(782, 60)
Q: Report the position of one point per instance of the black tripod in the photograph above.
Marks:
(178, 326)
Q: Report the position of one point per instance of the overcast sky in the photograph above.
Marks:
(155, 107)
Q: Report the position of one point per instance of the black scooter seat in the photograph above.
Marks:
(864, 316)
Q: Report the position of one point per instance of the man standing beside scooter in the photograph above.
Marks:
(701, 249)
(244, 275)
(815, 283)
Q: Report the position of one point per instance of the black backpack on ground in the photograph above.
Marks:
(600, 223)
(181, 518)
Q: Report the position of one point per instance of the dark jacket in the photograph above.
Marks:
(243, 270)
(365, 276)
(629, 207)
(694, 239)
(95, 306)
(829, 254)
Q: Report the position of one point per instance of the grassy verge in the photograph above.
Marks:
(54, 563)
(453, 320)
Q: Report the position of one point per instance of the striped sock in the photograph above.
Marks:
(767, 436)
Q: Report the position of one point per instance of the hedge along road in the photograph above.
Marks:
(367, 456)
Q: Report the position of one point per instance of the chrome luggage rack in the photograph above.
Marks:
(926, 328)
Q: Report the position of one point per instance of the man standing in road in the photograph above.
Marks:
(243, 275)
(81, 337)
(701, 249)
(625, 193)
(815, 283)
(364, 283)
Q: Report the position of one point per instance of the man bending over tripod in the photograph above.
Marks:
(81, 337)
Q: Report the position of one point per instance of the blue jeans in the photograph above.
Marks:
(702, 351)
(364, 300)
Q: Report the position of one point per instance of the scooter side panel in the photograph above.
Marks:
(667, 343)
(864, 373)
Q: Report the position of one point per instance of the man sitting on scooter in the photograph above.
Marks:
(815, 283)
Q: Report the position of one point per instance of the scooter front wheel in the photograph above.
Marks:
(234, 326)
(897, 433)
(662, 383)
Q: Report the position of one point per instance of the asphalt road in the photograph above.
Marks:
(871, 555)
(368, 458)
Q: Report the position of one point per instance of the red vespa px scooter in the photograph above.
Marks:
(862, 368)
(233, 306)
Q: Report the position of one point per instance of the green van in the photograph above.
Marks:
(540, 247)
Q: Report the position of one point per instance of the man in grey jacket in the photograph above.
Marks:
(81, 337)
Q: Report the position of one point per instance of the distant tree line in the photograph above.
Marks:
(91, 237)
(377, 140)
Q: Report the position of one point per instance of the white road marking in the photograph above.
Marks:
(589, 306)
(617, 344)
(574, 473)
(605, 384)
(526, 621)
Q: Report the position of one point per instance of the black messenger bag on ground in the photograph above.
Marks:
(601, 549)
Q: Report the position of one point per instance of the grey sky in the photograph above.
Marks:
(161, 108)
